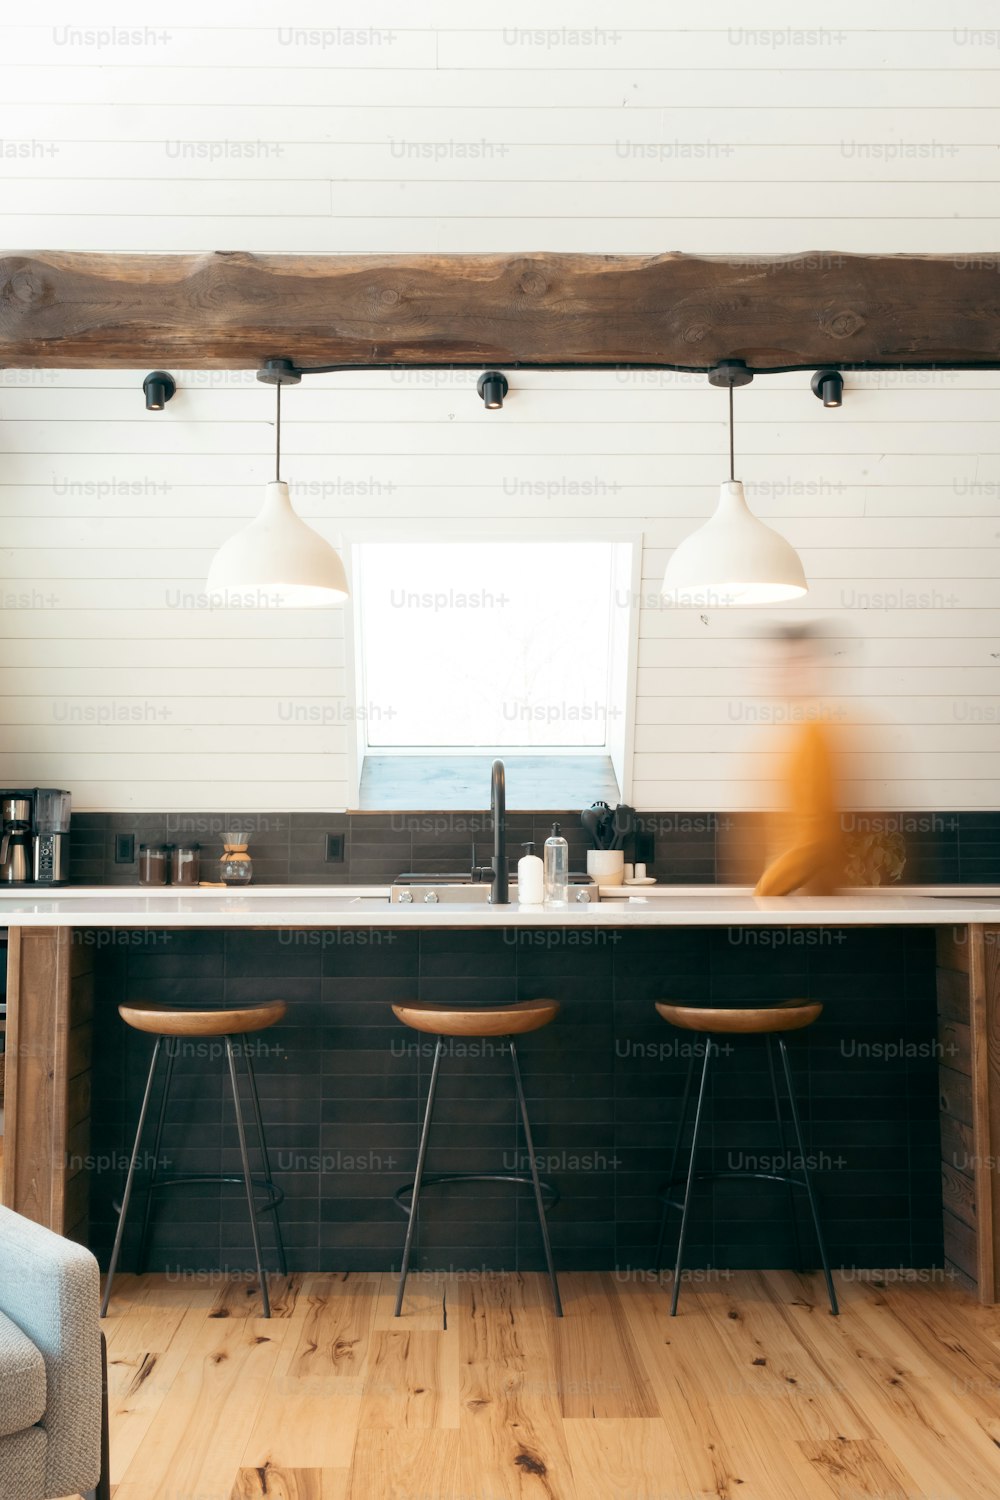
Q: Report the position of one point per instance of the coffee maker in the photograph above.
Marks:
(34, 840)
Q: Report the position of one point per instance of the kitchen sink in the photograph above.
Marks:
(443, 890)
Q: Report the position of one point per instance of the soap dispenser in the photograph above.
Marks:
(556, 868)
(530, 877)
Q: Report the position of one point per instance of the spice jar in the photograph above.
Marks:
(235, 866)
(152, 865)
(187, 862)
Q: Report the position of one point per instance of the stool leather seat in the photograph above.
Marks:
(170, 1020)
(490, 1020)
(758, 1020)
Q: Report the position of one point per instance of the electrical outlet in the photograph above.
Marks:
(335, 848)
(124, 848)
(645, 848)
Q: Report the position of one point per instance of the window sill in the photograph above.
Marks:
(425, 783)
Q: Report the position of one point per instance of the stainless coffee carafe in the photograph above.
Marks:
(15, 842)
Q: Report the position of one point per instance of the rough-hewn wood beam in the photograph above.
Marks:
(231, 310)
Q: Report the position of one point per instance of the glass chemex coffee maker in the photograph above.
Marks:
(34, 839)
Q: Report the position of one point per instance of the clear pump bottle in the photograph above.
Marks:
(556, 869)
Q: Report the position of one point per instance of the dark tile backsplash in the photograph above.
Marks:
(690, 848)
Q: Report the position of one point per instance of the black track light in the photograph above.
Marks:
(828, 387)
(492, 386)
(158, 387)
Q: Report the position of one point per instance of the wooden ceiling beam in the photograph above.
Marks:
(231, 310)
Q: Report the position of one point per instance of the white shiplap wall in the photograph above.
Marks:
(220, 130)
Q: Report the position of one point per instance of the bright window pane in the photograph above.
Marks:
(486, 644)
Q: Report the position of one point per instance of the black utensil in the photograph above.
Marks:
(624, 824)
(591, 818)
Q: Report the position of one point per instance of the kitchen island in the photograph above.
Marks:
(900, 1080)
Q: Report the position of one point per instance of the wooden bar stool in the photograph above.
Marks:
(761, 1021)
(170, 1026)
(504, 1022)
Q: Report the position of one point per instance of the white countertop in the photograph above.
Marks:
(368, 906)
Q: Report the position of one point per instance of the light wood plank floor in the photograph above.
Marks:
(753, 1393)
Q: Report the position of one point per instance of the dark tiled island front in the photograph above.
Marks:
(342, 1087)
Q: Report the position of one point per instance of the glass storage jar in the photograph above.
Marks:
(187, 860)
(152, 864)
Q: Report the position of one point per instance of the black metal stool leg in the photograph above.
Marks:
(172, 1048)
(807, 1179)
(251, 1205)
(685, 1098)
(421, 1158)
(129, 1180)
(539, 1205)
(265, 1158)
(709, 1044)
(782, 1138)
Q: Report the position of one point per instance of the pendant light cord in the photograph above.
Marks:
(277, 435)
(732, 460)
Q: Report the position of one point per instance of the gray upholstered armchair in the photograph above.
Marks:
(53, 1404)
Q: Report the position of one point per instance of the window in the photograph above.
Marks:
(486, 647)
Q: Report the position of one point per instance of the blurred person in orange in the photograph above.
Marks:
(803, 846)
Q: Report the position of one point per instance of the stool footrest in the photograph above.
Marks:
(274, 1196)
(406, 1191)
(722, 1176)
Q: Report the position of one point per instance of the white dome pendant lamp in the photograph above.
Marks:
(734, 559)
(279, 553)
